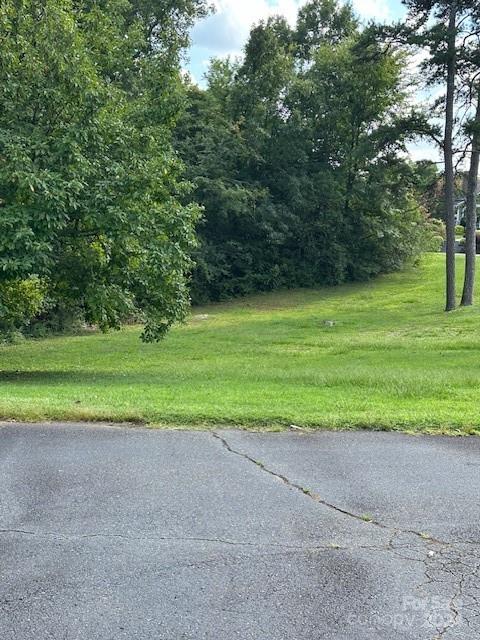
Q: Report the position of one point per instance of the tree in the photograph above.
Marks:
(296, 156)
(427, 179)
(433, 25)
(451, 65)
(445, 28)
(90, 186)
(470, 71)
(471, 214)
(322, 21)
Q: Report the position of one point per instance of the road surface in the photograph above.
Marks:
(112, 533)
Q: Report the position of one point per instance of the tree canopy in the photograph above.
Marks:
(297, 154)
(126, 190)
(90, 187)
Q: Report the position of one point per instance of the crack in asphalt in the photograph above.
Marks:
(221, 541)
(456, 582)
(80, 536)
(462, 569)
(319, 500)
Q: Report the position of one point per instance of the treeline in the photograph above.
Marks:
(297, 157)
(126, 191)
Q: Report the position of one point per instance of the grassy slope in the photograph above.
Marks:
(393, 360)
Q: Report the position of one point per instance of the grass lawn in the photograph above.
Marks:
(393, 359)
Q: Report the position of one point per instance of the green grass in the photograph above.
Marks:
(392, 360)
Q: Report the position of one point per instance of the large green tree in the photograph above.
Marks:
(90, 187)
(296, 153)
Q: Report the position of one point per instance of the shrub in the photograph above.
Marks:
(437, 227)
(434, 235)
(20, 301)
(459, 230)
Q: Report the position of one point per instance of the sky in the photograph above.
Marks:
(226, 32)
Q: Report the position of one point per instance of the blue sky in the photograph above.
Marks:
(226, 31)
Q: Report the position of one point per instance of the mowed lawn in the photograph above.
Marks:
(392, 359)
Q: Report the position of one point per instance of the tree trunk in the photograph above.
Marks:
(471, 214)
(448, 153)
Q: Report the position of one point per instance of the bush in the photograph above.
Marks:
(459, 230)
(435, 234)
(437, 227)
(20, 301)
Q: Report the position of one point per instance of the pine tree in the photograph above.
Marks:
(433, 24)
(470, 60)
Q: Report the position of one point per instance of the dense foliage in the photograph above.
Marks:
(296, 154)
(91, 223)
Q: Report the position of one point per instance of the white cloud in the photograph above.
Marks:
(424, 151)
(226, 31)
(287, 8)
(378, 10)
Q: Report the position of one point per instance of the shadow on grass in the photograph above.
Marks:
(39, 377)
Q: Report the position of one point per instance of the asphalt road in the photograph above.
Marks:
(112, 533)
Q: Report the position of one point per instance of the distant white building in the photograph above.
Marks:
(460, 212)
